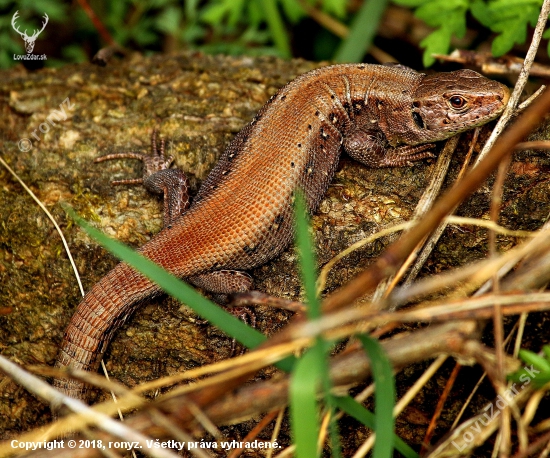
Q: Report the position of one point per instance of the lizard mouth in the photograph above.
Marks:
(505, 97)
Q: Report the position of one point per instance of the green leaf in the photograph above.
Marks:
(437, 42)
(537, 369)
(508, 18)
(481, 12)
(453, 19)
(537, 361)
(511, 32)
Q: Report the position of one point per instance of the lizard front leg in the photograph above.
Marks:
(158, 178)
(371, 148)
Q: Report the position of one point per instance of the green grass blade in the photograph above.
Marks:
(176, 288)
(357, 411)
(384, 397)
(317, 357)
(362, 31)
(276, 27)
(306, 253)
(334, 432)
(304, 412)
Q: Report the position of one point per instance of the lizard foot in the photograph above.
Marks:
(406, 155)
(152, 163)
(247, 316)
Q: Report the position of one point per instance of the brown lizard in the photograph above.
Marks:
(382, 116)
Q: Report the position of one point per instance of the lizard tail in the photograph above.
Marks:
(103, 310)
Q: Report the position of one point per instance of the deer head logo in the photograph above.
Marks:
(29, 41)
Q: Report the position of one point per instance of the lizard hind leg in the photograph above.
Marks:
(223, 281)
(158, 178)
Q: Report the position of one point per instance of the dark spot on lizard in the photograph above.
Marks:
(250, 249)
(292, 164)
(317, 113)
(299, 145)
(309, 126)
(283, 97)
(276, 225)
(357, 106)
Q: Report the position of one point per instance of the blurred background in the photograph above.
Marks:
(407, 31)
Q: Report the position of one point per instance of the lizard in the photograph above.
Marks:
(381, 116)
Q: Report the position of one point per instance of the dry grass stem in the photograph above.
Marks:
(424, 204)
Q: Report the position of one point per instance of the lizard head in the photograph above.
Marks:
(445, 104)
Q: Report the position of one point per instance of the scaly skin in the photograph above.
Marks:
(380, 115)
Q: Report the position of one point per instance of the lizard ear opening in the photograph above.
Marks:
(418, 120)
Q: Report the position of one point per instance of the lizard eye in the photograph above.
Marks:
(457, 101)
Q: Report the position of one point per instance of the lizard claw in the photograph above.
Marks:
(152, 163)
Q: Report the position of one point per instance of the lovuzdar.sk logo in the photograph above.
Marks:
(29, 40)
